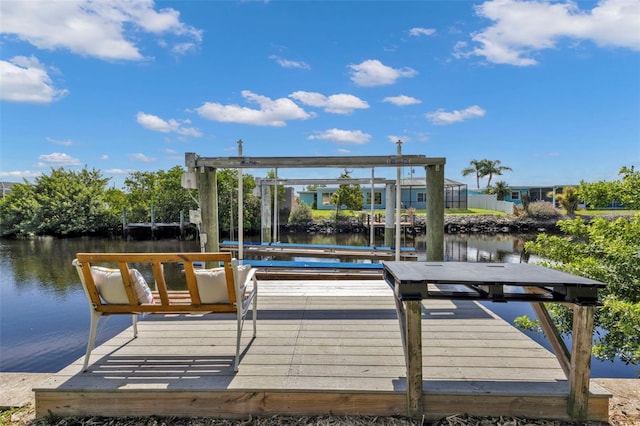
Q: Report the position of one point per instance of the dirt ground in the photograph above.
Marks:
(624, 406)
(624, 410)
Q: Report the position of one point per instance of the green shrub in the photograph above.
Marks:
(542, 210)
(300, 215)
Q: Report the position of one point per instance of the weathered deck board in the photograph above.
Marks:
(322, 346)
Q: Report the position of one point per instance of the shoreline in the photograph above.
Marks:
(453, 224)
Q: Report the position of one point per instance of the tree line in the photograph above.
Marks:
(71, 203)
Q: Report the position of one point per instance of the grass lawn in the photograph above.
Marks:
(603, 212)
(327, 214)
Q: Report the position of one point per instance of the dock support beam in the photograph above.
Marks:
(207, 180)
(413, 308)
(265, 213)
(389, 215)
(413, 321)
(435, 213)
(582, 336)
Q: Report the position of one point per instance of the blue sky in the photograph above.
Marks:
(551, 89)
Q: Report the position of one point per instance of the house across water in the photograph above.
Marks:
(413, 195)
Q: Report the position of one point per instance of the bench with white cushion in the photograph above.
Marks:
(114, 286)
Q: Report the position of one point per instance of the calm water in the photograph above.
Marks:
(44, 315)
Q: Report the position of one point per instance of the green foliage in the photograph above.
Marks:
(66, 202)
(74, 203)
(625, 190)
(476, 167)
(485, 168)
(500, 189)
(349, 196)
(301, 215)
(525, 323)
(621, 319)
(606, 251)
(159, 190)
(228, 200)
(628, 188)
(569, 199)
(493, 167)
(17, 210)
(172, 198)
(596, 194)
(525, 199)
(271, 174)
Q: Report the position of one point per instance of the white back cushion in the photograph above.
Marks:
(212, 285)
(111, 288)
(243, 271)
(143, 292)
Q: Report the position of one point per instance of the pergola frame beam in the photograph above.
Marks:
(294, 181)
(339, 162)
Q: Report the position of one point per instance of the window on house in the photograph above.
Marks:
(377, 197)
(326, 198)
(515, 195)
(421, 197)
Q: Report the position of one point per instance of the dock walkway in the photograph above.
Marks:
(322, 347)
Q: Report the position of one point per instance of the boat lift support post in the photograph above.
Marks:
(205, 168)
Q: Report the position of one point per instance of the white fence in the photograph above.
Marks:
(489, 202)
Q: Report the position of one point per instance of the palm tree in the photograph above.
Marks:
(493, 167)
(500, 189)
(478, 167)
(569, 200)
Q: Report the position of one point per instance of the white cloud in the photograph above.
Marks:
(271, 113)
(441, 117)
(157, 124)
(105, 29)
(25, 79)
(343, 151)
(57, 159)
(59, 142)
(336, 104)
(286, 63)
(342, 136)
(184, 48)
(374, 73)
(521, 29)
(104, 157)
(119, 171)
(141, 158)
(421, 31)
(402, 100)
(20, 174)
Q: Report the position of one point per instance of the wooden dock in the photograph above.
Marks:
(322, 347)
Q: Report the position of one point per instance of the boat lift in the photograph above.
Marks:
(202, 170)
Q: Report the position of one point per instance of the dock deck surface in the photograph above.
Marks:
(322, 347)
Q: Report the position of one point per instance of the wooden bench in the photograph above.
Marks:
(226, 288)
